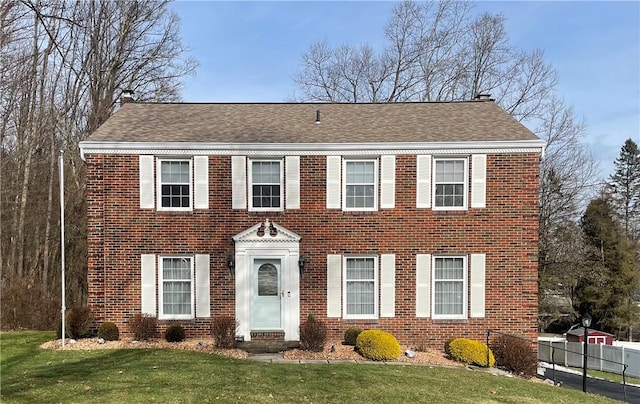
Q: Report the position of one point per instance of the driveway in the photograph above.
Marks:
(595, 386)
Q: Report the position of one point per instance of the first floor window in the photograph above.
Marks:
(266, 184)
(449, 278)
(360, 287)
(176, 287)
(450, 179)
(174, 184)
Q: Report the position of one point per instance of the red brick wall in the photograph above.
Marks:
(506, 231)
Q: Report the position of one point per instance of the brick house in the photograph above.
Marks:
(417, 218)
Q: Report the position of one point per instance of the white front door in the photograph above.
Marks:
(266, 294)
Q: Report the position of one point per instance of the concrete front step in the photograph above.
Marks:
(266, 346)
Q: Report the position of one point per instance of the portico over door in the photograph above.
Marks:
(267, 280)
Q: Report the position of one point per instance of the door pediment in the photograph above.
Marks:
(267, 231)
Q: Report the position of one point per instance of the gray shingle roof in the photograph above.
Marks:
(295, 123)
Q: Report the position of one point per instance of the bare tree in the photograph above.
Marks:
(437, 51)
(64, 65)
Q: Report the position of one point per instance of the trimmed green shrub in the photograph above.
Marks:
(313, 335)
(447, 349)
(223, 329)
(470, 352)
(109, 331)
(78, 321)
(174, 333)
(378, 345)
(516, 355)
(143, 326)
(351, 335)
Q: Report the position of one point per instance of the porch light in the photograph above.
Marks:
(301, 264)
(231, 263)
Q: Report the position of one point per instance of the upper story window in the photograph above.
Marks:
(266, 188)
(361, 287)
(174, 184)
(360, 185)
(450, 183)
(176, 288)
(449, 286)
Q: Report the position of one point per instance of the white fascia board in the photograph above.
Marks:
(285, 149)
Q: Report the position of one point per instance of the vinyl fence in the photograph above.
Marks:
(606, 358)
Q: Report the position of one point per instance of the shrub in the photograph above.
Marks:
(313, 335)
(78, 322)
(378, 345)
(143, 326)
(447, 348)
(470, 352)
(109, 331)
(351, 335)
(515, 355)
(224, 331)
(174, 333)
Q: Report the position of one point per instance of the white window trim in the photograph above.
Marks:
(250, 185)
(376, 288)
(159, 185)
(376, 185)
(161, 315)
(465, 191)
(465, 288)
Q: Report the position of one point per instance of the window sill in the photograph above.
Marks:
(450, 320)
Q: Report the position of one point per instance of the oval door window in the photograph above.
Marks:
(267, 280)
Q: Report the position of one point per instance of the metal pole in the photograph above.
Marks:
(488, 333)
(62, 258)
(584, 361)
(624, 381)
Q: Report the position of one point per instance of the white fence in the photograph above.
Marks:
(606, 358)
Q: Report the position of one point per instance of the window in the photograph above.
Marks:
(449, 287)
(450, 179)
(361, 287)
(360, 184)
(176, 288)
(174, 184)
(265, 190)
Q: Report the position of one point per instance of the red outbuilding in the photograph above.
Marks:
(593, 336)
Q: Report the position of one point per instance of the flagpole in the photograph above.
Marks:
(61, 174)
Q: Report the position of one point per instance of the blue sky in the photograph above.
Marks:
(249, 52)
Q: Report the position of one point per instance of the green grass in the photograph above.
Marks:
(33, 375)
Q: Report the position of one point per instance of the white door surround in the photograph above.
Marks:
(262, 244)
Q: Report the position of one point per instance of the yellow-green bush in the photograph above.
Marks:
(470, 352)
(378, 345)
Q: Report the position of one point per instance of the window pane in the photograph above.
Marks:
(267, 280)
(266, 196)
(448, 298)
(174, 171)
(265, 172)
(360, 172)
(449, 285)
(360, 196)
(266, 186)
(360, 268)
(176, 286)
(175, 187)
(360, 298)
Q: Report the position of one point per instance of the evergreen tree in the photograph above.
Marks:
(610, 277)
(625, 185)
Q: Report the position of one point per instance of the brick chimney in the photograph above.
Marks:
(484, 97)
(127, 96)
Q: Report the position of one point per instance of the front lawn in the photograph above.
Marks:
(33, 375)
